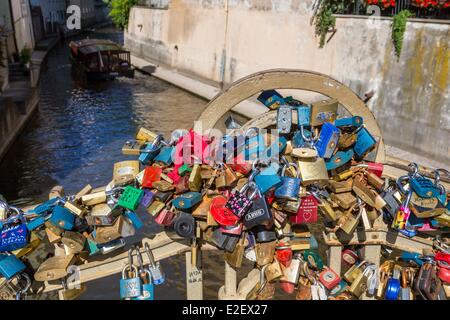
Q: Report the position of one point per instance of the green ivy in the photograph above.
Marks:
(324, 19)
(120, 11)
(398, 30)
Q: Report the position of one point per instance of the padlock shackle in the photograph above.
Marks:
(149, 252)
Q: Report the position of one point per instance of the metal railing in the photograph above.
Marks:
(360, 8)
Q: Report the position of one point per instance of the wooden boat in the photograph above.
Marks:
(95, 59)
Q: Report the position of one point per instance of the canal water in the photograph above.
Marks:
(75, 138)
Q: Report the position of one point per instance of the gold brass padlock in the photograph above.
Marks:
(94, 198)
(313, 171)
(323, 111)
(74, 241)
(54, 268)
(86, 190)
(146, 135)
(124, 172)
(195, 179)
(344, 200)
(235, 258)
(273, 271)
(265, 252)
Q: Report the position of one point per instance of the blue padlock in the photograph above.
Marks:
(149, 153)
(135, 220)
(62, 218)
(148, 289)
(14, 235)
(298, 141)
(304, 116)
(271, 99)
(339, 159)
(364, 142)
(289, 187)
(187, 200)
(268, 178)
(424, 187)
(254, 145)
(45, 207)
(392, 289)
(328, 140)
(165, 155)
(275, 149)
(411, 257)
(92, 247)
(10, 265)
(36, 223)
(130, 287)
(355, 121)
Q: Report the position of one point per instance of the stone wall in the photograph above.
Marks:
(222, 41)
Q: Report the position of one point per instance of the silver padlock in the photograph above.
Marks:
(284, 119)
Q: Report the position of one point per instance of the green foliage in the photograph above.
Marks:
(323, 18)
(120, 11)
(398, 30)
(25, 56)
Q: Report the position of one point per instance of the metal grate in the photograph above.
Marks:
(359, 8)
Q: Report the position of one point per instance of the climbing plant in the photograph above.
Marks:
(398, 30)
(120, 11)
(324, 19)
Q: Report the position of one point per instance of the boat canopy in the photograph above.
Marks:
(89, 46)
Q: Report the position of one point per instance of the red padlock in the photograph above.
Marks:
(165, 217)
(236, 229)
(284, 254)
(444, 275)
(151, 174)
(221, 214)
(240, 165)
(329, 278)
(307, 211)
(442, 259)
(375, 168)
(349, 257)
(287, 287)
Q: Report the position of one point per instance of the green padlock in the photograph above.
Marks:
(313, 258)
(131, 198)
(184, 169)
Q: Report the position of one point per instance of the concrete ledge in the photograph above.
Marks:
(247, 108)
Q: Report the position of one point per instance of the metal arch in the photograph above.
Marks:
(289, 79)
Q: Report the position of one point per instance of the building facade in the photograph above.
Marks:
(53, 13)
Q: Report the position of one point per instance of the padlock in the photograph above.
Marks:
(223, 214)
(355, 271)
(345, 200)
(339, 159)
(323, 111)
(255, 146)
(235, 257)
(195, 178)
(284, 119)
(304, 116)
(367, 194)
(349, 257)
(146, 135)
(289, 187)
(130, 287)
(74, 241)
(313, 259)
(403, 213)
(271, 99)
(424, 187)
(75, 209)
(165, 217)
(132, 147)
(183, 225)
(134, 219)
(147, 198)
(328, 140)
(187, 200)
(307, 211)
(259, 212)
(239, 202)
(284, 254)
(364, 142)
(427, 283)
(265, 252)
(103, 215)
(10, 265)
(224, 241)
(151, 174)
(393, 289)
(54, 268)
(329, 278)
(154, 267)
(62, 218)
(426, 207)
(290, 276)
(352, 122)
(165, 155)
(124, 172)
(313, 171)
(105, 234)
(92, 199)
(151, 150)
(348, 222)
(268, 178)
(130, 198)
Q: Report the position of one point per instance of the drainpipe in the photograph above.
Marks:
(13, 26)
(223, 63)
